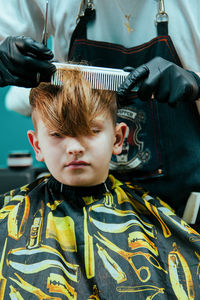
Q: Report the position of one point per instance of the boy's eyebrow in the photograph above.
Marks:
(96, 122)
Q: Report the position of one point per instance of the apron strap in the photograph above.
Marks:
(162, 19)
(86, 13)
(162, 28)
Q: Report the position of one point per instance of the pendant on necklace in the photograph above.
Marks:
(129, 28)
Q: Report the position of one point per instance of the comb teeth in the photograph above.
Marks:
(99, 78)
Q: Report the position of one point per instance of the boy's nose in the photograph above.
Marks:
(74, 146)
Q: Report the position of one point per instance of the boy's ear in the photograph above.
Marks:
(120, 132)
(33, 139)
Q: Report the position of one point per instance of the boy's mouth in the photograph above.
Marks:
(77, 164)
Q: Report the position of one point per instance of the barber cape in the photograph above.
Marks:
(111, 241)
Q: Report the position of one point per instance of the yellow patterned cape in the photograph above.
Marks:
(113, 241)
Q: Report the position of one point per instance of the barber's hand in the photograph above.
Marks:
(163, 79)
(23, 62)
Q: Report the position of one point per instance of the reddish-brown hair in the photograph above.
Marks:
(70, 108)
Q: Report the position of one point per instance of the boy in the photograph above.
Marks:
(79, 233)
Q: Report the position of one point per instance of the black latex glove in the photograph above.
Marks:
(23, 61)
(163, 79)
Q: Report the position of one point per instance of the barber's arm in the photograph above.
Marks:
(163, 79)
(24, 62)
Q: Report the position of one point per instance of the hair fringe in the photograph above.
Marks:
(70, 108)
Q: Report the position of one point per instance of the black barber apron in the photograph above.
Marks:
(162, 146)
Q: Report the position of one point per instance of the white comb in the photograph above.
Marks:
(99, 78)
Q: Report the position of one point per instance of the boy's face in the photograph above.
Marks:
(82, 160)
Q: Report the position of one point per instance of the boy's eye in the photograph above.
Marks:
(56, 134)
(96, 130)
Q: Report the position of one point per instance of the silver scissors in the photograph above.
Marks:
(44, 36)
(45, 33)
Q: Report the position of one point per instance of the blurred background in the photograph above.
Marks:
(16, 169)
(14, 132)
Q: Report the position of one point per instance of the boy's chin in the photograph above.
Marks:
(83, 179)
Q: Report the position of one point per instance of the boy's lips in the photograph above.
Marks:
(77, 164)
